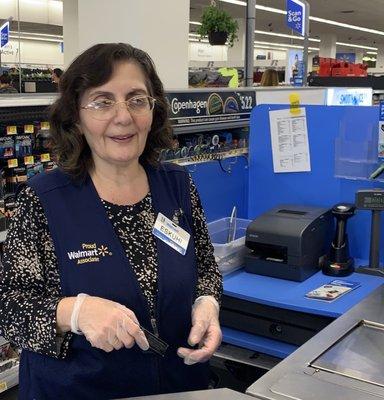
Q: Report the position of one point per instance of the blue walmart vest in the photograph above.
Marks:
(78, 223)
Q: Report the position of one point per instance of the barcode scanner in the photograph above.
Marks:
(338, 262)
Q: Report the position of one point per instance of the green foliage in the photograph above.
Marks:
(214, 19)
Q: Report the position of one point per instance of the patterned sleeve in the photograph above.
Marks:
(29, 282)
(210, 282)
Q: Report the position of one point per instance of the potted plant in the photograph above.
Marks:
(218, 25)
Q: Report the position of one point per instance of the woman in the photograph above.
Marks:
(56, 75)
(84, 278)
(270, 77)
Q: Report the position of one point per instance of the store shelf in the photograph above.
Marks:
(9, 378)
(203, 158)
(212, 126)
(24, 99)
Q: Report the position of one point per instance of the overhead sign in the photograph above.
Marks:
(195, 107)
(296, 16)
(4, 31)
(346, 57)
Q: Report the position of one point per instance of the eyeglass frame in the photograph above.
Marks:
(115, 103)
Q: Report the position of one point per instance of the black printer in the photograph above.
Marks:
(289, 241)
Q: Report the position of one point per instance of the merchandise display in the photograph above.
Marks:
(24, 150)
(208, 146)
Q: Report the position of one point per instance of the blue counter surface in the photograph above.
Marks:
(289, 295)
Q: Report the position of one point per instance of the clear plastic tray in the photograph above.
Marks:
(229, 256)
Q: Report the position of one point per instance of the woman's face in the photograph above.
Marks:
(120, 139)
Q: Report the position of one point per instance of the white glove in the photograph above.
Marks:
(108, 325)
(205, 331)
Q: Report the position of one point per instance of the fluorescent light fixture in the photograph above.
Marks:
(356, 45)
(342, 25)
(194, 23)
(269, 48)
(35, 38)
(314, 40)
(285, 35)
(293, 46)
(372, 52)
(237, 2)
(37, 34)
(316, 19)
(270, 9)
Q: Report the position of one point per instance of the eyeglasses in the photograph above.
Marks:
(106, 109)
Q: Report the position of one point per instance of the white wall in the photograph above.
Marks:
(33, 52)
(270, 54)
(158, 27)
(39, 11)
(70, 31)
(205, 52)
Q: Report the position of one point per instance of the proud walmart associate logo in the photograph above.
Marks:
(90, 252)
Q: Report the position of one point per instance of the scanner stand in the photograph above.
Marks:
(374, 258)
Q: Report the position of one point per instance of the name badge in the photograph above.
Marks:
(170, 233)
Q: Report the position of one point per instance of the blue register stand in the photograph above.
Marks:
(342, 143)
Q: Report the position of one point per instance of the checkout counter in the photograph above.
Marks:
(221, 394)
(313, 349)
(344, 361)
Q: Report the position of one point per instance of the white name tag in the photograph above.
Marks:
(170, 233)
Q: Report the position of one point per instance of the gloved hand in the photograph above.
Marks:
(108, 325)
(205, 331)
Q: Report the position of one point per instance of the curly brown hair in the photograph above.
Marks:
(93, 68)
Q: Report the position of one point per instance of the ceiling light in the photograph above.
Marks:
(372, 52)
(258, 46)
(342, 25)
(194, 23)
(237, 2)
(36, 34)
(314, 40)
(286, 36)
(270, 9)
(35, 38)
(356, 45)
(293, 46)
(316, 19)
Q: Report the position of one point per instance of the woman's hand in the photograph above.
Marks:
(108, 325)
(205, 331)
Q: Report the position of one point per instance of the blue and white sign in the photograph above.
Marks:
(294, 68)
(4, 31)
(346, 57)
(380, 144)
(296, 16)
(349, 97)
(381, 108)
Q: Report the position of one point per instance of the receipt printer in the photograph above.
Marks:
(289, 242)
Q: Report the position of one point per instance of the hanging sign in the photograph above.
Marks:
(296, 16)
(4, 32)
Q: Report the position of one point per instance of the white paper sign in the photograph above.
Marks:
(289, 138)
